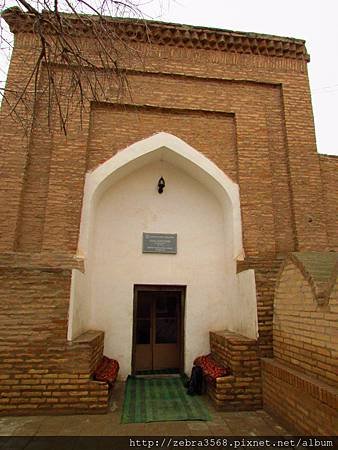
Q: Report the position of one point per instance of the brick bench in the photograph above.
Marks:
(214, 374)
(211, 368)
(300, 401)
(242, 388)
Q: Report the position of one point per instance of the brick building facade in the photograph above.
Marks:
(238, 103)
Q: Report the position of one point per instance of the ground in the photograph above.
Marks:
(253, 423)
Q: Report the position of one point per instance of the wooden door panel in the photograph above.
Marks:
(144, 339)
(143, 357)
(157, 341)
(166, 348)
(166, 356)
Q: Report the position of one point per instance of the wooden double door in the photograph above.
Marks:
(158, 328)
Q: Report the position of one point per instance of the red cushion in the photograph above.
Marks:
(211, 367)
(107, 370)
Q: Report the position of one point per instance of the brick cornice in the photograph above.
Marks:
(161, 33)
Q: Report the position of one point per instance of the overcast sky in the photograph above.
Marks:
(314, 21)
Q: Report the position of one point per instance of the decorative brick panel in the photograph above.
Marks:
(173, 35)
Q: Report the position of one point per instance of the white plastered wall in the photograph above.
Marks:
(201, 204)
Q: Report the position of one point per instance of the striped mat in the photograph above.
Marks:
(160, 400)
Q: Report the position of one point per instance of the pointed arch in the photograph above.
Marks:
(201, 203)
(175, 150)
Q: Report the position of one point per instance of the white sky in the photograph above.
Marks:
(314, 21)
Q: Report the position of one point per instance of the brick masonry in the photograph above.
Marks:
(304, 331)
(242, 390)
(266, 272)
(39, 369)
(329, 169)
(301, 403)
(245, 104)
(300, 382)
(265, 102)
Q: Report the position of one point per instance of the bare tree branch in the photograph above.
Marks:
(63, 57)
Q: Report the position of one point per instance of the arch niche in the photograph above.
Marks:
(199, 203)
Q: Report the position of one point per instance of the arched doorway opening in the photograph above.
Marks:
(199, 204)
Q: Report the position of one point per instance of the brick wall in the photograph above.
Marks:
(250, 113)
(266, 271)
(301, 403)
(242, 389)
(329, 170)
(304, 332)
(300, 382)
(39, 370)
(265, 141)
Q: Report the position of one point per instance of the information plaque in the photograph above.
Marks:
(159, 243)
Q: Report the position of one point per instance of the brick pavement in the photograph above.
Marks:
(244, 423)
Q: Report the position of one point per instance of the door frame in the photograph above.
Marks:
(159, 288)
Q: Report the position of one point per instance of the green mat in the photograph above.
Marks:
(158, 372)
(160, 399)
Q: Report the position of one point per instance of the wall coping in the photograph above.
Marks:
(331, 157)
(162, 33)
(233, 337)
(88, 337)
